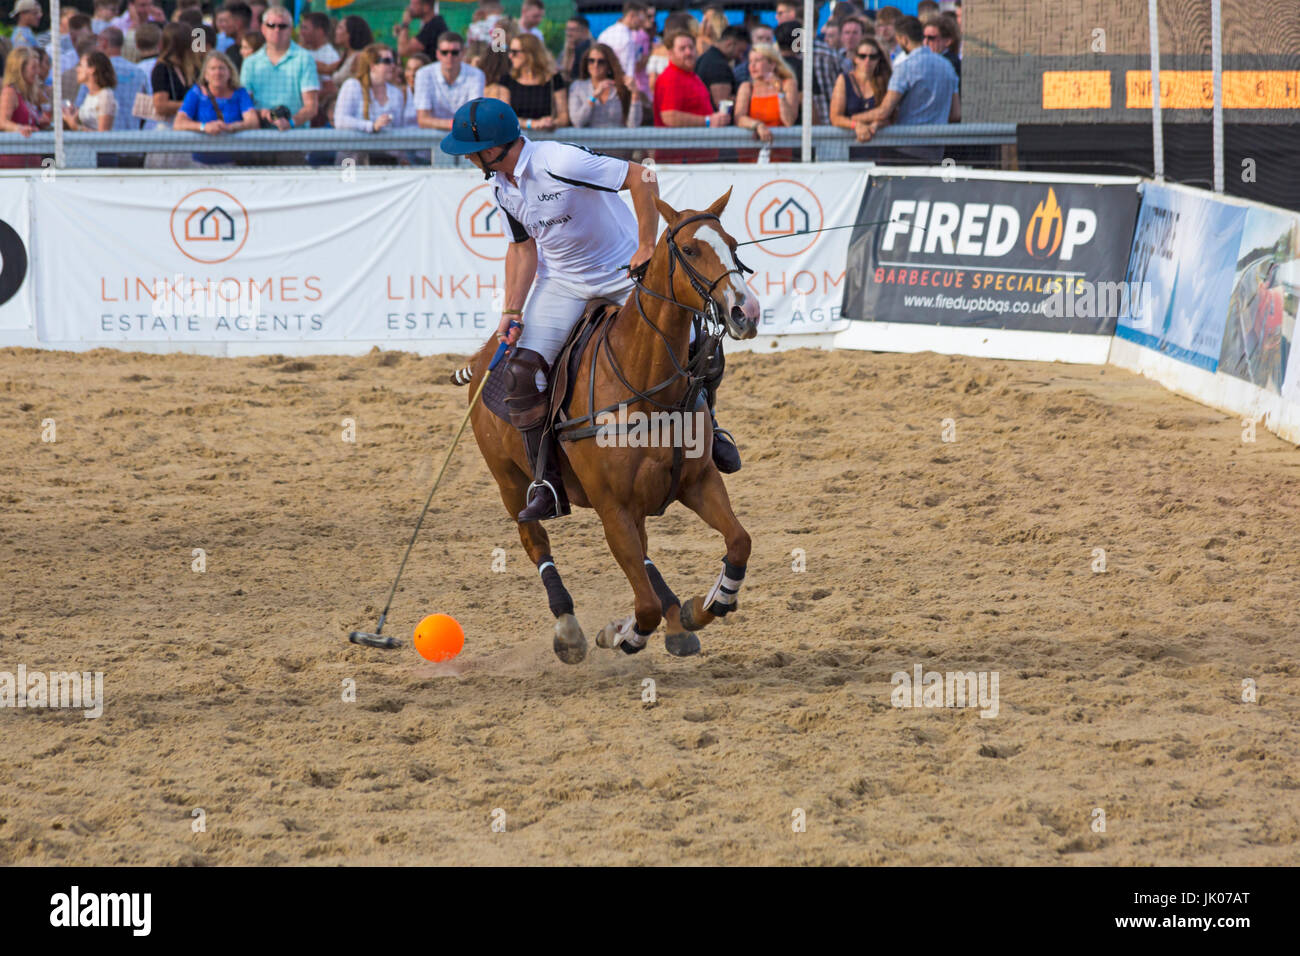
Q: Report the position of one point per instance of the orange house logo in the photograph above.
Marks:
(480, 224)
(784, 207)
(209, 226)
(213, 225)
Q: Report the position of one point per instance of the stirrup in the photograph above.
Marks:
(559, 508)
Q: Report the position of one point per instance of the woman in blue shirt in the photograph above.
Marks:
(216, 104)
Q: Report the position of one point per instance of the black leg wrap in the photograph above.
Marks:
(556, 595)
(667, 598)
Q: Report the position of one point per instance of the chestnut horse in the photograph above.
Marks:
(639, 359)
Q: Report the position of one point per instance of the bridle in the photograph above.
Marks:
(709, 336)
(709, 333)
(711, 315)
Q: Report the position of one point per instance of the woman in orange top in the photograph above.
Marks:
(769, 98)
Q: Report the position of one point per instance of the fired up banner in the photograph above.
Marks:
(988, 253)
(389, 258)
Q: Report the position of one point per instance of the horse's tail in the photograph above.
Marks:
(462, 376)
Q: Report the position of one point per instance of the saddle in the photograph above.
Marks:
(598, 313)
(564, 371)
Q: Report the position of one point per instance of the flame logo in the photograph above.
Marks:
(1043, 236)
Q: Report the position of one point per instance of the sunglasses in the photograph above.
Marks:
(516, 52)
(275, 26)
(386, 59)
(595, 59)
(931, 36)
(867, 56)
(449, 53)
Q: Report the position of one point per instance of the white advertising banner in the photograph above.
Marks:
(799, 279)
(17, 305)
(400, 259)
(233, 258)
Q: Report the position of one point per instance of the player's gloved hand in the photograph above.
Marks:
(509, 329)
(640, 262)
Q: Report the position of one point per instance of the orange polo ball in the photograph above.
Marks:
(439, 637)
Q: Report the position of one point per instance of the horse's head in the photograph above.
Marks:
(703, 268)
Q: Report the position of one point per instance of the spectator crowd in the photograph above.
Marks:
(127, 65)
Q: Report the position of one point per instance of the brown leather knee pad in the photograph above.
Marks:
(527, 404)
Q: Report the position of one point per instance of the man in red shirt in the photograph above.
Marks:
(682, 99)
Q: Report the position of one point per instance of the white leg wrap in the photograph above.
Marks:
(722, 596)
(621, 632)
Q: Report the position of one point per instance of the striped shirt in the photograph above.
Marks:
(927, 83)
(443, 99)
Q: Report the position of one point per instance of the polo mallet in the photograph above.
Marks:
(377, 639)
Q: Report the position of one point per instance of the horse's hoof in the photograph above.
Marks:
(682, 645)
(570, 643)
(688, 616)
(607, 636)
(620, 634)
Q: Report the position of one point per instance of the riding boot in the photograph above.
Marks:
(528, 406)
(546, 495)
(725, 453)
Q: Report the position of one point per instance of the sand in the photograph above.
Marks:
(1119, 691)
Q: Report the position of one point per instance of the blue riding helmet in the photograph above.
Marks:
(481, 124)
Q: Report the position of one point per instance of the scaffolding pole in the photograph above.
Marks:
(1157, 126)
(808, 37)
(56, 67)
(1216, 64)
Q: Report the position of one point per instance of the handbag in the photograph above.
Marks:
(143, 107)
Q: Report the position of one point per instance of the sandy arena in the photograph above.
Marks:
(1119, 690)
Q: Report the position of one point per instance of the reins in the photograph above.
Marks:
(710, 317)
(711, 329)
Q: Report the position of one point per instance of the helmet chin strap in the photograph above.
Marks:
(489, 163)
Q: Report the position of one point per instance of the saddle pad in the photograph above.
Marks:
(494, 393)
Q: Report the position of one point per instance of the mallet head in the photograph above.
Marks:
(374, 640)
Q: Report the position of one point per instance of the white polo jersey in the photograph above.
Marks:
(567, 199)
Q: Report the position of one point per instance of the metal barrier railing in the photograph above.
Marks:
(830, 144)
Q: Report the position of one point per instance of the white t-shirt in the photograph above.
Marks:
(624, 42)
(567, 199)
(348, 107)
(325, 54)
(93, 107)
